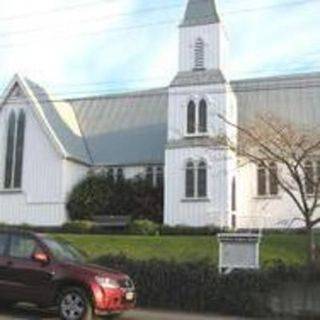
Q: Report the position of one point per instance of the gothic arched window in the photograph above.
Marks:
(202, 179)
(191, 117)
(309, 177)
(199, 55)
(262, 180)
(14, 150)
(19, 150)
(10, 150)
(234, 195)
(202, 125)
(110, 174)
(159, 177)
(120, 174)
(149, 175)
(190, 180)
(273, 178)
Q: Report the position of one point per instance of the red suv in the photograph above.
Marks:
(46, 272)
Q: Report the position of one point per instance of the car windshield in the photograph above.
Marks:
(63, 251)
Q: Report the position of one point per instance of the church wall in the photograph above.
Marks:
(72, 174)
(40, 200)
(213, 210)
(265, 211)
(178, 102)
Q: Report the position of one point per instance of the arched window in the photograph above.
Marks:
(19, 150)
(110, 174)
(149, 175)
(202, 125)
(262, 180)
(10, 150)
(191, 117)
(159, 177)
(202, 179)
(309, 177)
(199, 55)
(273, 178)
(120, 175)
(190, 180)
(233, 195)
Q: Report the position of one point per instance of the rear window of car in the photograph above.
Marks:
(3, 243)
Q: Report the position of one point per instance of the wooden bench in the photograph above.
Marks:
(112, 221)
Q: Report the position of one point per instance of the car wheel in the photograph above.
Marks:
(74, 304)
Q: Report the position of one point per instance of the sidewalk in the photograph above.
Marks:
(171, 315)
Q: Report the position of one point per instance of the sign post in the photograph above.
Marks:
(238, 251)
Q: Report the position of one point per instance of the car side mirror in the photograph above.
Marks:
(41, 257)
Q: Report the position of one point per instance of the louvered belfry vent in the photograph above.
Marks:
(199, 56)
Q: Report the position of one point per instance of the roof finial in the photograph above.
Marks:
(200, 12)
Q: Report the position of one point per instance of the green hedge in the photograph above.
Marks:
(196, 287)
(189, 231)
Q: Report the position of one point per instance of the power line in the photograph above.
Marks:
(279, 5)
(225, 90)
(94, 33)
(96, 19)
(159, 23)
(46, 12)
(116, 82)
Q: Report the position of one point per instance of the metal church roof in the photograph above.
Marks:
(125, 129)
(131, 128)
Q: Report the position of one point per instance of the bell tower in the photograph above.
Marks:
(203, 41)
(198, 168)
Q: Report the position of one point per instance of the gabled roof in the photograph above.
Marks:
(200, 12)
(122, 129)
(62, 120)
(66, 141)
(190, 78)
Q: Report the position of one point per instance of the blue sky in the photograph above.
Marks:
(84, 47)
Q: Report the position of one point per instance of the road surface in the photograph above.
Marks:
(30, 314)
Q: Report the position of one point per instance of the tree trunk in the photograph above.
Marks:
(311, 246)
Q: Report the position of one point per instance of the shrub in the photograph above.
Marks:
(189, 231)
(194, 287)
(100, 195)
(80, 226)
(144, 227)
(198, 287)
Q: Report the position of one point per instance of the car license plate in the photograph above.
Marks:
(129, 296)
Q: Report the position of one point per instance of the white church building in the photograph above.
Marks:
(48, 145)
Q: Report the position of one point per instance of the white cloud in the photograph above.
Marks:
(52, 39)
(274, 40)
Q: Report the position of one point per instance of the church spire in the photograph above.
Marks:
(200, 12)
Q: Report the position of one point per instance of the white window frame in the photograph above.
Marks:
(196, 100)
(196, 196)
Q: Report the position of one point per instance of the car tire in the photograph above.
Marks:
(74, 304)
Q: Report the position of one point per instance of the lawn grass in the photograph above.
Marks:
(290, 248)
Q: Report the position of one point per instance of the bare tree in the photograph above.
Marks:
(295, 150)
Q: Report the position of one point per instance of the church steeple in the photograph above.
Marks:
(200, 12)
(203, 42)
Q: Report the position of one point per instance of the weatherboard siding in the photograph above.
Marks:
(278, 212)
(215, 209)
(40, 200)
